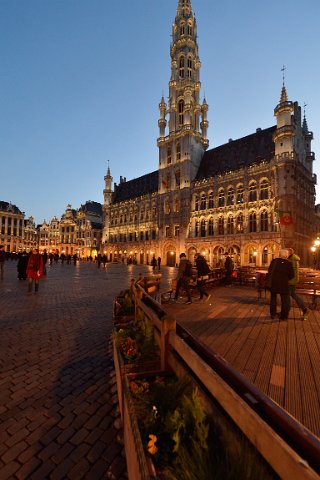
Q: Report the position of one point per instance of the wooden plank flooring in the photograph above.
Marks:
(282, 358)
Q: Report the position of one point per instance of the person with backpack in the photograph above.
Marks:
(203, 270)
(183, 277)
(228, 267)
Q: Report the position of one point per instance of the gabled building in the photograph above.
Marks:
(250, 196)
(78, 231)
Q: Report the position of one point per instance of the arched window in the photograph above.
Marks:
(196, 230)
(196, 202)
(221, 198)
(240, 194)
(181, 113)
(253, 192)
(177, 175)
(182, 28)
(210, 227)
(264, 189)
(167, 206)
(203, 228)
(264, 221)
(252, 222)
(230, 196)
(211, 202)
(181, 67)
(230, 225)
(240, 228)
(169, 155)
(190, 28)
(203, 202)
(178, 151)
(221, 226)
(189, 67)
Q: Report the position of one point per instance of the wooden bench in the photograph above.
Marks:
(309, 287)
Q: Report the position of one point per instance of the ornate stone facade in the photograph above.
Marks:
(250, 196)
(78, 231)
(16, 232)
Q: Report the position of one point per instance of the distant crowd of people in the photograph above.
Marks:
(283, 273)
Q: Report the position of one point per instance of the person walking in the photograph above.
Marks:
(34, 270)
(183, 277)
(281, 271)
(159, 263)
(203, 270)
(228, 267)
(154, 263)
(22, 265)
(2, 260)
(295, 260)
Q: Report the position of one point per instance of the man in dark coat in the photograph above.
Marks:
(282, 271)
(228, 267)
(202, 273)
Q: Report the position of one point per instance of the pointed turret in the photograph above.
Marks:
(284, 96)
(162, 122)
(305, 124)
(284, 135)
(107, 192)
(187, 139)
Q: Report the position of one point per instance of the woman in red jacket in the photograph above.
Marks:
(34, 270)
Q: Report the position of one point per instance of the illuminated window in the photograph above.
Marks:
(264, 189)
(177, 177)
(221, 198)
(221, 226)
(203, 228)
(264, 221)
(178, 151)
(240, 194)
(169, 154)
(176, 230)
(230, 225)
(181, 113)
(181, 67)
(253, 192)
(203, 203)
(196, 229)
(252, 222)
(240, 223)
(210, 227)
(189, 70)
(211, 201)
(230, 196)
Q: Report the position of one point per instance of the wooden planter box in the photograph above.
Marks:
(139, 463)
(122, 368)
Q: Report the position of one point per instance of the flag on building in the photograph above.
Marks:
(285, 218)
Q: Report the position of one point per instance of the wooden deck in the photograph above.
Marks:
(282, 358)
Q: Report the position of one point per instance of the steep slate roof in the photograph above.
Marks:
(135, 188)
(6, 206)
(237, 153)
(91, 207)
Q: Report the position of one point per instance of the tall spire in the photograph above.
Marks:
(284, 96)
(304, 123)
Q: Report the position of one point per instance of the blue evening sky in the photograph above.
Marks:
(80, 83)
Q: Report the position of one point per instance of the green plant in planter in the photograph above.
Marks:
(155, 404)
(136, 342)
(191, 435)
(124, 305)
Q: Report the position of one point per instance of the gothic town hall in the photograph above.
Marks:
(249, 197)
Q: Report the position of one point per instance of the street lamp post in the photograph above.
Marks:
(315, 251)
